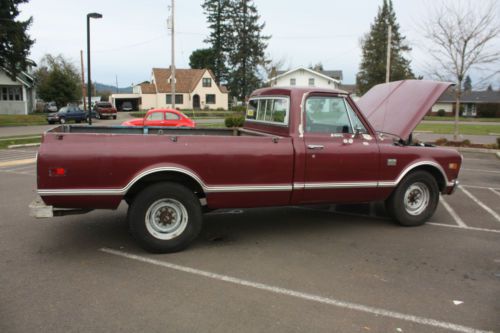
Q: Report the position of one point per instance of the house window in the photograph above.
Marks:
(311, 82)
(293, 82)
(207, 82)
(210, 99)
(11, 93)
(179, 99)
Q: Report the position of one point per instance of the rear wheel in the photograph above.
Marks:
(114, 117)
(165, 217)
(415, 199)
(98, 115)
(62, 120)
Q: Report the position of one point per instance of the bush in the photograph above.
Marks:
(498, 142)
(234, 121)
(239, 108)
(441, 113)
(441, 142)
(466, 143)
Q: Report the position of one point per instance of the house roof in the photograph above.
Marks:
(23, 77)
(351, 88)
(486, 96)
(186, 80)
(330, 74)
(148, 88)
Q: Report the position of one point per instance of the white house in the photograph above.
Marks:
(305, 77)
(194, 89)
(16, 96)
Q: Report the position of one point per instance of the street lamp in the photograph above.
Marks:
(89, 81)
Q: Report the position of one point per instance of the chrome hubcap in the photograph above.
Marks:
(166, 219)
(416, 198)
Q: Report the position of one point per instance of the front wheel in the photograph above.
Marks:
(415, 199)
(165, 217)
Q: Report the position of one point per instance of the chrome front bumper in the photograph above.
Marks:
(454, 185)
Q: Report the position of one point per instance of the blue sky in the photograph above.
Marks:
(132, 37)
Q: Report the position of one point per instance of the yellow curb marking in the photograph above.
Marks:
(17, 162)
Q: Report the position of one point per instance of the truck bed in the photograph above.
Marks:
(82, 129)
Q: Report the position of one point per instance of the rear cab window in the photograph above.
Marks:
(269, 109)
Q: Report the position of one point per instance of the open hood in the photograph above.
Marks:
(398, 107)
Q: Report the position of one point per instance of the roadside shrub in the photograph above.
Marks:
(498, 142)
(220, 109)
(239, 108)
(441, 113)
(441, 142)
(234, 121)
(466, 143)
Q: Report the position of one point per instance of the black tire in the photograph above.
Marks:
(114, 117)
(415, 199)
(152, 210)
(62, 120)
(78, 121)
(98, 115)
(51, 122)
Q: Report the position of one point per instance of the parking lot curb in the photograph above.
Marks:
(474, 150)
(24, 145)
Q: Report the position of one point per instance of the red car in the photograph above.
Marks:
(162, 117)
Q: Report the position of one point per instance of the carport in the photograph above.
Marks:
(118, 99)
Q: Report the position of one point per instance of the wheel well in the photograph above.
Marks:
(441, 181)
(162, 176)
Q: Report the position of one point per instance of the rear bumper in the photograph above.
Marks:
(40, 210)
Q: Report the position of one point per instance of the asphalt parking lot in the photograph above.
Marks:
(334, 269)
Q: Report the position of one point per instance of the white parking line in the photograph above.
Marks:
(494, 191)
(452, 212)
(297, 294)
(463, 228)
(481, 204)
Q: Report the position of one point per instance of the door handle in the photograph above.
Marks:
(316, 147)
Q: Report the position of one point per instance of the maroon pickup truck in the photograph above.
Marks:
(104, 110)
(298, 146)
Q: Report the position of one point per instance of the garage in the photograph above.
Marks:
(126, 102)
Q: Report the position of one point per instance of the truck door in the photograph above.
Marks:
(342, 158)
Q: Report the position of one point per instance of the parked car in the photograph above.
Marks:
(127, 106)
(104, 110)
(298, 146)
(50, 107)
(67, 113)
(162, 117)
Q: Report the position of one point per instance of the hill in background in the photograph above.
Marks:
(101, 87)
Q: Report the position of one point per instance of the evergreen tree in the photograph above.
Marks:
(467, 83)
(202, 58)
(248, 51)
(58, 80)
(15, 44)
(374, 50)
(218, 17)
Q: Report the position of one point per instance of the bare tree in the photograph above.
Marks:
(460, 36)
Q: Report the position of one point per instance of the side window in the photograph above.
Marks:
(272, 110)
(156, 116)
(171, 116)
(356, 122)
(326, 114)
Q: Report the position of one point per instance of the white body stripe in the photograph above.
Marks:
(240, 188)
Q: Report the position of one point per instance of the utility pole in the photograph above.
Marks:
(388, 63)
(172, 66)
(116, 79)
(83, 81)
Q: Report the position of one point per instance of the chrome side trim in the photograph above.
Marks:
(206, 188)
(244, 188)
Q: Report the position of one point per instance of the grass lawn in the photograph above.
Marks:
(465, 119)
(4, 143)
(210, 125)
(463, 129)
(22, 120)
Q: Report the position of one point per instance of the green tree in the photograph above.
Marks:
(247, 52)
(467, 83)
(202, 58)
(219, 24)
(58, 80)
(374, 51)
(15, 44)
